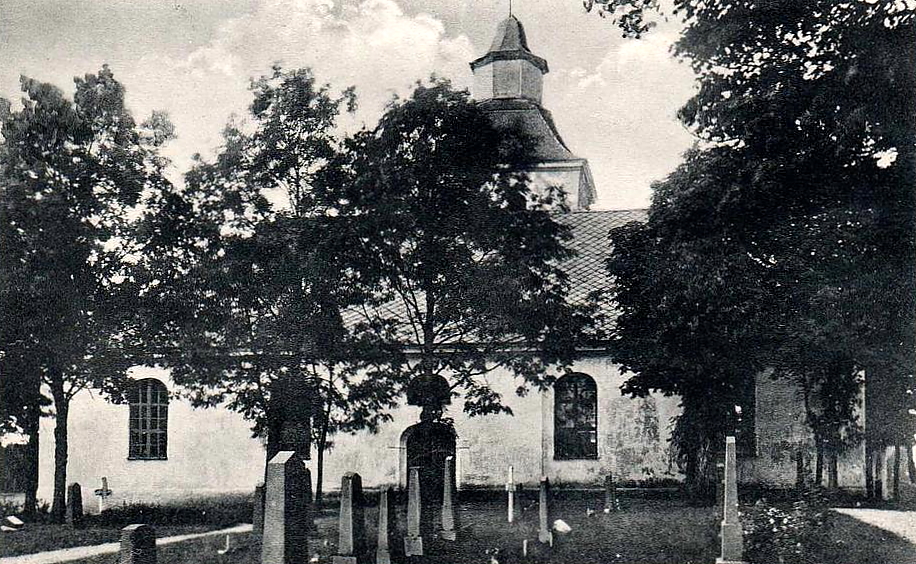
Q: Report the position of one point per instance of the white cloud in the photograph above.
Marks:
(622, 116)
(373, 45)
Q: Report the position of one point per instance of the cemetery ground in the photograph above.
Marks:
(657, 528)
(194, 515)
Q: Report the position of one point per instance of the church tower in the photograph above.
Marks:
(508, 84)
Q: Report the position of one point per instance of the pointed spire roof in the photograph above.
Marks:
(510, 43)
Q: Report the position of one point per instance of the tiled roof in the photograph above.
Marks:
(585, 270)
(510, 43)
(590, 242)
(521, 115)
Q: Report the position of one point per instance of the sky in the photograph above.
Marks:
(614, 99)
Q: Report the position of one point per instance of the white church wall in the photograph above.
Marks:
(633, 439)
(209, 451)
(565, 175)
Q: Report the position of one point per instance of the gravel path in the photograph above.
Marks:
(901, 523)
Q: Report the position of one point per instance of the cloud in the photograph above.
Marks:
(372, 45)
(629, 102)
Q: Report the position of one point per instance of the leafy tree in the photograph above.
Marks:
(460, 258)
(242, 293)
(71, 172)
(789, 234)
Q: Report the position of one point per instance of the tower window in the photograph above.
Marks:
(575, 418)
(149, 416)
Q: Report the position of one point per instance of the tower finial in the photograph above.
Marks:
(510, 8)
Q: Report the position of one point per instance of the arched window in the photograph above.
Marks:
(575, 418)
(149, 416)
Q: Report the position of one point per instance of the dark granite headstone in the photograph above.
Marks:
(285, 539)
(257, 510)
(138, 545)
(545, 535)
(75, 505)
(448, 507)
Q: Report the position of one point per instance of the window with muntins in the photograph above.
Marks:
(575, 418)
(149, 417)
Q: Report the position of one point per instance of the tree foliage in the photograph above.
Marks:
(459, 256)
(242, 285)
(786, 239)
(72, 171)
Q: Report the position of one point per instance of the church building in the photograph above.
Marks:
(582, 429)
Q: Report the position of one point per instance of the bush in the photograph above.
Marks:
(221, 511)
(788, 532)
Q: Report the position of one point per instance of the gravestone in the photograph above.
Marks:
(75, 505)
(138, 545)
(285, 539)
(257, 510)
(510, 487)
(351, 543)
(611, 503)
(732, 541)
(386, 526)
(545, 535)
(413, 542)
(448, 508)
(310, 498)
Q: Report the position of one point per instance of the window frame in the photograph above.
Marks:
(147, 437)
(579, 441)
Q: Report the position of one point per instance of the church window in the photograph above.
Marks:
(149, 415)
(575, 418)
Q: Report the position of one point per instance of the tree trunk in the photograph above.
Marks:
(833, 481)
(30, 506)
(819, 465)
(897, 459)
(62, 410)
(869, 470)
(319, 467)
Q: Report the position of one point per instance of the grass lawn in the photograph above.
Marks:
(39, 537)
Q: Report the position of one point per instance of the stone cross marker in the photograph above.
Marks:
(104, 492)
(75, 505)
(732, 542)
(413, 542)
(138, 545)
(386, 526)
(545, 535)
(510, 487)
(448, 508)
(285, 539)
(352, 522)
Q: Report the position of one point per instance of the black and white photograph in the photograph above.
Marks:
(458, 282)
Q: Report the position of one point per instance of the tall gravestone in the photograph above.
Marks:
(285, 539)
(545, 535)
(448, 507)
(386, 526)
(510, 488)
(351, 541)
(138, 545)
(75, 505)
(413, 542)
(732, 541)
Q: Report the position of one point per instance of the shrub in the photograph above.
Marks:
(788, 532)
(219, 511)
